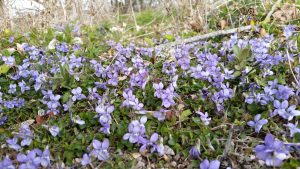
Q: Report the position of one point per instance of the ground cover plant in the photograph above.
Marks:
(71, 100)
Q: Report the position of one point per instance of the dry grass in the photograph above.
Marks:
(93, 13)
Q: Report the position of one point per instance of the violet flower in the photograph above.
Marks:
(288, 31)
(78, 120)
(31, 160)
(293, 128)
(23, 86)
(257, 123)
(54, 130)
(85, 159)
(104, 117)
(194, 152)
(77, 95)
(214, 164)
(7, 163)
(284, 92)
(9, 60)
(154, 143)
(273, 152)
(13, 143)
(204, 117)
(284, 110)
(100, 149)
(136, 130)
(158, 89)
(12, 88)
(160, 115)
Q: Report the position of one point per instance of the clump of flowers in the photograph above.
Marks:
(104, 117)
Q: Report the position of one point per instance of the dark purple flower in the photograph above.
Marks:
(195, 152)
(3, 119)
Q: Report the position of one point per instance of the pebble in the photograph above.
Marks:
(166, 158)
(176, 158)
(173, 164)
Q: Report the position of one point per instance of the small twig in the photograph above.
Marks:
(267, 19)
(231, 22)
(290, 65)
(228, 142)
(133, 14)
(205, 36)
(114, 118)
(99, 165)
(217, 127)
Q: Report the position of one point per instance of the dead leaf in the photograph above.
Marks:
(262, 32)
(136, 155)
(180, 107)
(223, 24)
(286, 13)
(39, 119)
(169, 115)
(168, 150)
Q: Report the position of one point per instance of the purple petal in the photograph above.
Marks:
(276, 104)
(126, 136)
(204, 164)
(154, 137)
(215, 164)
(22, 158)
(143, 119)
(251, 123)
(269, 139)
(284, 104)
(105, 144)
(257, 117)
(96, 144)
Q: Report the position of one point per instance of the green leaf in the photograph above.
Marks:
(66, 97)
(4, 68)
(242, 56)
(184, 115)
(236, 50)
(169, 37)
(149, 41)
